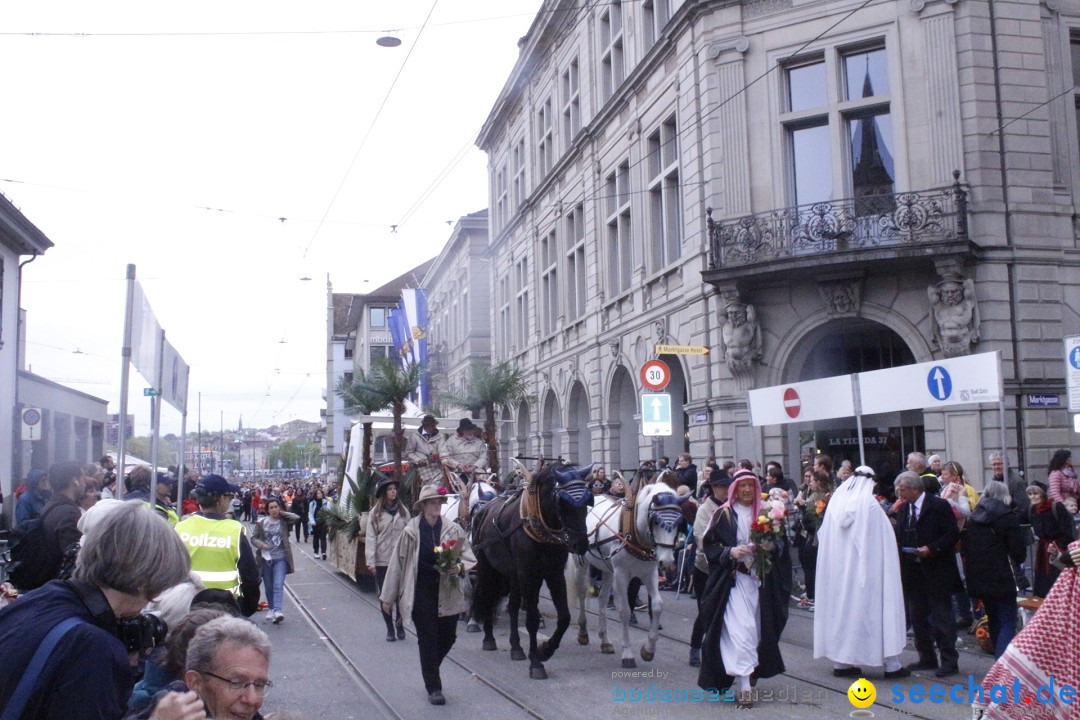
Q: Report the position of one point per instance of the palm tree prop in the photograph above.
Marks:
(489, 386)
(359, 401)
(387, 384)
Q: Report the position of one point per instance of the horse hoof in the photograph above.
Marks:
(629, 663)
(607, 649)
(646, 655)
(517, 654)
(489, 645)
(472, 627)
(583, 639)
(538, 673)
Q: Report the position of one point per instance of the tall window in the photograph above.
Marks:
(504, 334)
(544, 147)
(376, 352)
(1075, 47)
(654, 16)
(377, 317)
(571, 104)
(611, 43)
(521, 304)
(502, 199)
(519, 175)
(549, 283)
(576, 288)
(665, 216)
(856, 105)
(620, 257)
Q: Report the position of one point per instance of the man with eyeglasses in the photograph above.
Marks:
(226, 675)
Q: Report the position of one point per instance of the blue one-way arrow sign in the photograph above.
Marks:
(655, 414)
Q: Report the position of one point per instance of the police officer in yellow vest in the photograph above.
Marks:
(220, 552)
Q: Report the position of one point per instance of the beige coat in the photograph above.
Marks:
(466, 452)
(383, 530)
(288, 519)
(704, 515)
(400, 585)
(428, 451)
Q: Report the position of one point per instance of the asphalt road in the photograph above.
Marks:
(331, 660)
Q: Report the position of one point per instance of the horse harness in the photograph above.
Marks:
(627, 532)
(532, 520)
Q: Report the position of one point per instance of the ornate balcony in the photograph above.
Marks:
(841, 233)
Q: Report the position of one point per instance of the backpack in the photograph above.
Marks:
(31, 562)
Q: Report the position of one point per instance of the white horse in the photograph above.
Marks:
(480, 493)
(619, 557)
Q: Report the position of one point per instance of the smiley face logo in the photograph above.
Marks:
(862, 693)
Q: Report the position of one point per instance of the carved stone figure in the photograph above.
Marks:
(843, 298)
(955, 317)
(741, 335)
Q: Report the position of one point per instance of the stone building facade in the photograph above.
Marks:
(806, 188)
(459, 305)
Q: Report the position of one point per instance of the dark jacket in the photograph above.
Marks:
(992, 542)
(936, 529)
(87, 675)
(60, 521)
(773, 597)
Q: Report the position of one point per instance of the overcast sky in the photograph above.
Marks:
(176, 138)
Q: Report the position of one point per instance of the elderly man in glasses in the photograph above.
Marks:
(226, 676)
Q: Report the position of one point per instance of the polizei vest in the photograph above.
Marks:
(214, 546)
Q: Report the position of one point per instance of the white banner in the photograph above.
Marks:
(174, 379)
(145, 337)
(822, 399)
(930, 385)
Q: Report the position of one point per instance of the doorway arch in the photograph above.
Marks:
(622, 420)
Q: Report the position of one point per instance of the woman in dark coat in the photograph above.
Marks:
(1053, 525)
(723, 544)
(992, 545)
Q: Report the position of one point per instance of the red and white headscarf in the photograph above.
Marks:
(1048, 646)
(744, 475)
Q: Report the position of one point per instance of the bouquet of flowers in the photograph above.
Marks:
(765, 531)
(448, 560)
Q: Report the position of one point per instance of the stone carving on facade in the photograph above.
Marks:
(741, 336)
(758, 8)
(843, 297)
(919, 5)
(661, 330)
(739, 44)
(954, 320)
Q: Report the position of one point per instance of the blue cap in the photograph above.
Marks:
(217, 485)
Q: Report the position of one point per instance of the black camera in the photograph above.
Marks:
(141, 633)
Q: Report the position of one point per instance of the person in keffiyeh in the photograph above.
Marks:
(1048, 647)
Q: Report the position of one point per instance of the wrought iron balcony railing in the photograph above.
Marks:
(872, 221)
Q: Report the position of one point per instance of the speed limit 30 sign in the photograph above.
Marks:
(655, 375)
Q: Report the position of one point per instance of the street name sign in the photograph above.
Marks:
(655, 375)
(655, 414)
(930, 385)
(1047, 400)
(149, 392)
(1072, 371)
(830, 397)
(681, 350)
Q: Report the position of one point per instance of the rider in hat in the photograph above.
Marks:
(385, 523)
(425, 449)
(466, 453)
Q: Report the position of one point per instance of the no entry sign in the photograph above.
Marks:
(655, 375)
(792, 403)
(802, 401)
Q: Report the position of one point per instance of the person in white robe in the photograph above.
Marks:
(859, 618)
(744, 617)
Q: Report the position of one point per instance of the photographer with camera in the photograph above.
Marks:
(68, 646)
